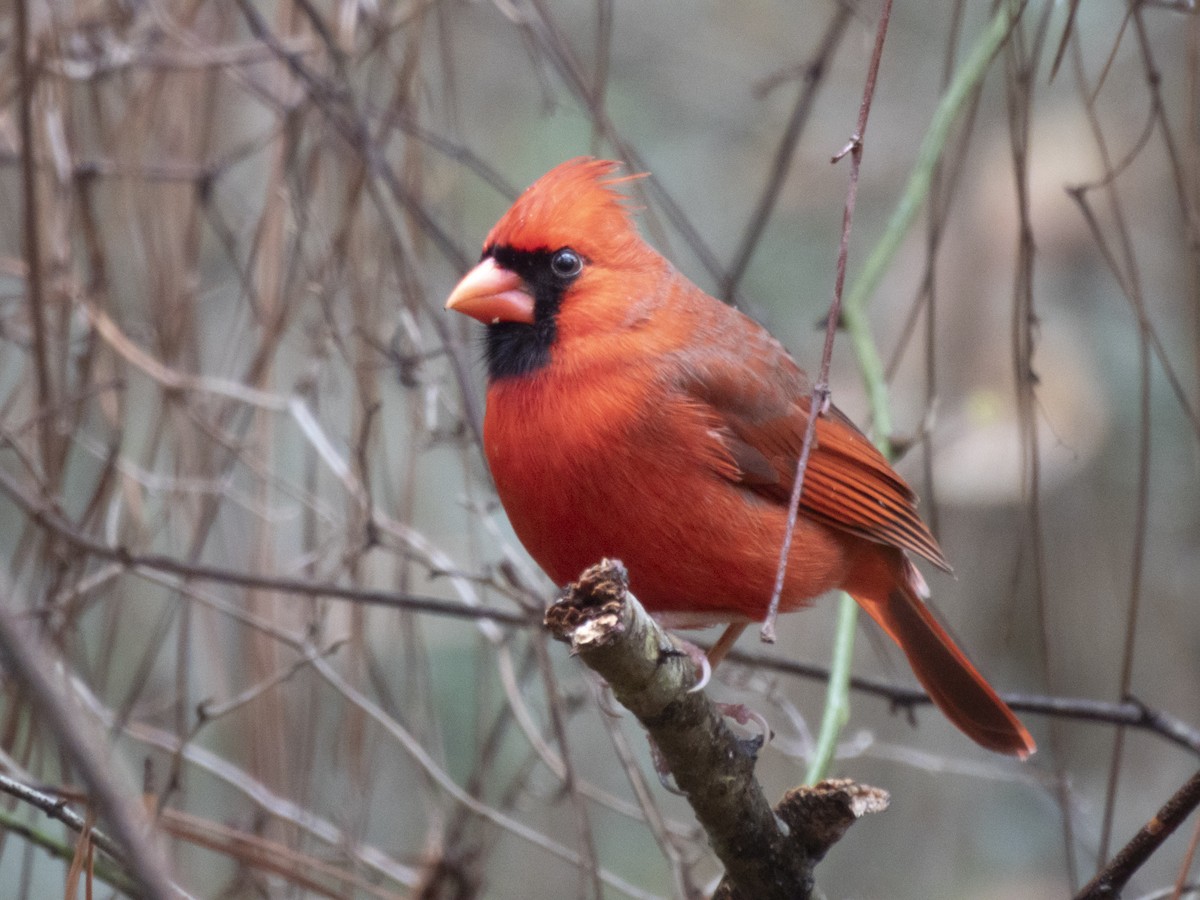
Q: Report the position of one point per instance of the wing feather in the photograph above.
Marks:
(760, 416)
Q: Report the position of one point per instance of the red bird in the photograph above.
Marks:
(631, 415)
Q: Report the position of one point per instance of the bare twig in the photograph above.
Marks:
(53, 521)
(1130, 713)
(264, 800)
(422, 758)
(814, 72)
(590, 871)
(1110, 880)
(1185, 865)
(56, 807)
(820, 392)
(31, 239)
(27, 658)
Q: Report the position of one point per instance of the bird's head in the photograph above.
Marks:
(555, 259)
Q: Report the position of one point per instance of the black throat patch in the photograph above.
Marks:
(513, 349)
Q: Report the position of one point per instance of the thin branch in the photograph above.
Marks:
(814, 72)
(1185, 865)
(421, 756)
(266, 801)
(51, 520)
(55, 806)
(1021, 60)
(101, 869)
(820, 392)
(1110, 880)
(1125, 266)
(837, 706)
(1131, 713)
(27, 659)
(31, 241)
(590, 870)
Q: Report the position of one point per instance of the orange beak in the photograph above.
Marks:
(491, 293)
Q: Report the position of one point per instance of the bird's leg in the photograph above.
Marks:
(725, 642)
(706, 662)
(739, 712)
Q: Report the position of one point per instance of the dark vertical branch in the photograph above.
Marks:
(1135, 587)
(781, 165)
(1022, 60)
(1126, 270)
(1190, 187)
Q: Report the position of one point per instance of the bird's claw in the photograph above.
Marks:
(662, 771)
(605, 699)
(705, 668)
(744, 715)
(699, 658)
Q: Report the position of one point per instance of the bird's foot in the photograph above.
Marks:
(683, 647)
(604, 695)
(744, 715)
(663, 771)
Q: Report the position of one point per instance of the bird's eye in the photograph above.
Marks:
(566, 263)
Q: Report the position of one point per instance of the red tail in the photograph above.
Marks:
(952, 682)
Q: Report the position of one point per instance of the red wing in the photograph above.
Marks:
(760, 401)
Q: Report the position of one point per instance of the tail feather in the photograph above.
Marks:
(953, 683)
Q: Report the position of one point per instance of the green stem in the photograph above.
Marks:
(966, 80)
(102, 868)
(854, 320)
(874, 376)
(837, 694)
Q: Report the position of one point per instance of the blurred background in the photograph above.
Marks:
(239, 436)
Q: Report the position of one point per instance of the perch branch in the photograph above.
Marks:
(766, 853)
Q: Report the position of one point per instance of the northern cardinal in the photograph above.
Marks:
(631, 415)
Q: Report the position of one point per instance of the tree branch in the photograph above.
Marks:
(26, 658)
(55, 807)
(1110, 880)
(766, 853)
(49, 518)
(1131, 712)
